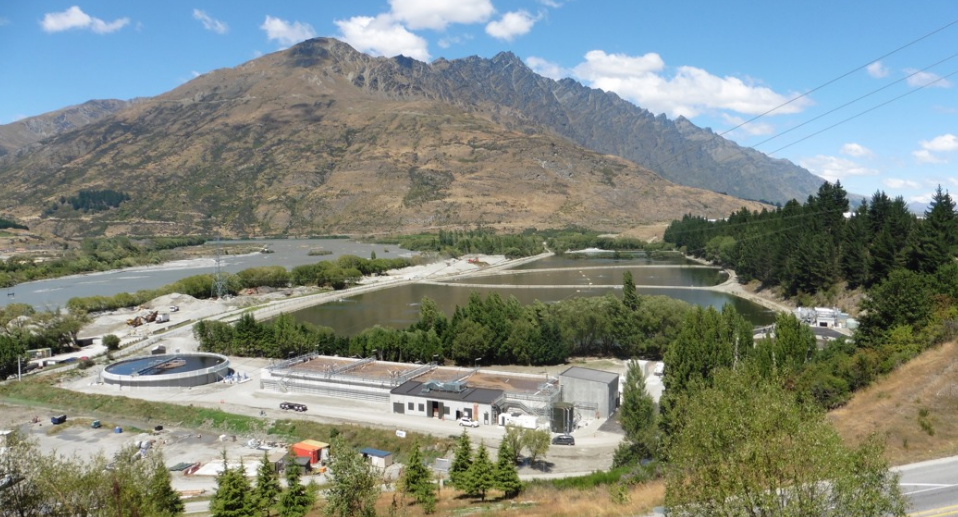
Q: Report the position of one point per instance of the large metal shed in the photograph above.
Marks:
(588, 389)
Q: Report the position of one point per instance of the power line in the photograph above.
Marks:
(846, 74)
(833, 110)
(687, 147)
(873, 108)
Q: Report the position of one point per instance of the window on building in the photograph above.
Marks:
(422, 407)
(411, 406)
(445, 410)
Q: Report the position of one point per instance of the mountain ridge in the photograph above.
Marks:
(320, 138)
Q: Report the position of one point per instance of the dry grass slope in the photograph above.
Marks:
(915, 408)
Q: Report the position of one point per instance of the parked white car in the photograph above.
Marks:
(468, 422)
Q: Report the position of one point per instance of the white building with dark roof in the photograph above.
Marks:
(589, 389)
(446, 400)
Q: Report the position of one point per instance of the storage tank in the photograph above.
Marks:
(562, 417)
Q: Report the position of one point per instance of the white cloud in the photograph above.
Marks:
(856, 150)
(74, 18)
(551, 3)
(547, 68)
(918, 79)
(898, 183)
(944, 143)
(877, 70)
(516, 23)
(688, 92)
(940, 144)
(925, 156)
(437, 14)
(833, 168)
(382, 36)
(209, 23)
(287, 33)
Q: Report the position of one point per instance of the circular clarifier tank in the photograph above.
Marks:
(170, 370)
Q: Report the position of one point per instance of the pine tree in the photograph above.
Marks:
(462, 458)
(505, 476)
(164, 500)
(629, 298)
(267, 486)
(417, 481)
(233, 494)
(296, 500)
(936, 236)
(639, 419)
(479, 478)
(854, 256)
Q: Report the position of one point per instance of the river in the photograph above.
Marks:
(44, 294)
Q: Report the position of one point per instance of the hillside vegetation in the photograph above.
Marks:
(912, 408)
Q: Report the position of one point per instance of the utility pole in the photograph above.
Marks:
(219, 278)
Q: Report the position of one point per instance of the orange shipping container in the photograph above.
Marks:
(311, 449)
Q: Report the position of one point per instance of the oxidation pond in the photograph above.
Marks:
(398, 307)
(587, 275)
(638, 258)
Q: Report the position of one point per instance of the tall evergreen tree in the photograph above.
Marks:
(296, 500)
(479, 478)
(506, 476)
(165, 501)
(267, 487)
(233, 496)
(417, 481)
(936, 236)
(639, 418)
(854, 255)
(462, 459)
(629, 297)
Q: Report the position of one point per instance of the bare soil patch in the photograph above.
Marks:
(913, 408)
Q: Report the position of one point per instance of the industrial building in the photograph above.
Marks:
(587, 389)
(424, 390)
(445, 400)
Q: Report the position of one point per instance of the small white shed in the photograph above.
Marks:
(377, 458)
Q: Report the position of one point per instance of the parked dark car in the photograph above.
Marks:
(563, 439)
(293, 406)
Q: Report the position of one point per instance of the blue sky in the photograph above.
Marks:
(716, 63)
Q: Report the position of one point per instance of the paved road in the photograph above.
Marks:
(931, 487)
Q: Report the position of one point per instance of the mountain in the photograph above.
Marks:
(320, 139)
(28, 131)
(676, 150)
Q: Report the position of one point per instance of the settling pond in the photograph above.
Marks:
(398, 307)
